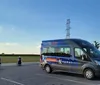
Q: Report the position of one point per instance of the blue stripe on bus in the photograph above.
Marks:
(64, 60)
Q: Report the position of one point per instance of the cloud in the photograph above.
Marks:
(11, 44)
(8, 44)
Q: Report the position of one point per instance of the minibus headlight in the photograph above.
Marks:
(97, 62)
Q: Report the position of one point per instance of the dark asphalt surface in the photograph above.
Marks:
(32, 74)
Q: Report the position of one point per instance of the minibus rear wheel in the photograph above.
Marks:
(48, 69)
(89, 73)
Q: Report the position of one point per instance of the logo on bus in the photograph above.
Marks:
(60, 61)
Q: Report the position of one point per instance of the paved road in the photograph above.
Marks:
(32, 74)
(14, 64)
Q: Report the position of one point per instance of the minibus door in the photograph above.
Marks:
(76, 66)
(80, 58)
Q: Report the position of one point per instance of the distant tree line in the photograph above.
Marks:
(3, 54)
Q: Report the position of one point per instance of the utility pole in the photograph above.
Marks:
(68, 28)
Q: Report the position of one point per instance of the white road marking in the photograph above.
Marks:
(9, 80)
(67, 79)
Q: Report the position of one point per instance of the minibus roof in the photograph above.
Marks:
(58, 40)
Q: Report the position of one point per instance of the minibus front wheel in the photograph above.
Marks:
(89, 73)
(48, 69)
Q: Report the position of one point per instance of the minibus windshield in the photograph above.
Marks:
(87, 47)
(92, 51)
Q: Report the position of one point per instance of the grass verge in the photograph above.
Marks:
(13, 59)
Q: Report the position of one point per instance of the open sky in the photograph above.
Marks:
(25, 23)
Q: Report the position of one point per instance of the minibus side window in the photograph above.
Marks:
(51, 50)
(79, 54)
(63, 50)
(56, 51)
(48, 50)
(44, 50)
(67, 50)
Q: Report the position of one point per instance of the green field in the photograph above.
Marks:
(13, 59)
